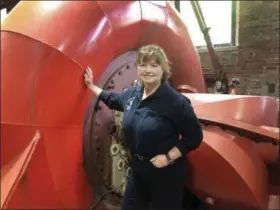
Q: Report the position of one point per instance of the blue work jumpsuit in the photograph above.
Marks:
(152, 126)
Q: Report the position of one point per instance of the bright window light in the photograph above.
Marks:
(3, 14)
(217, 15)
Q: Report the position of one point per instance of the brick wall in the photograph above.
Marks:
(255, 61)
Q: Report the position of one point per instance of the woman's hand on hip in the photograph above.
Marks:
(159, 161)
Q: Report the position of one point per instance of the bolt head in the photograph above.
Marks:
(210, 200)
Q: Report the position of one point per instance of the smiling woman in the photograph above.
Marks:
(153, 56)
(154, 116)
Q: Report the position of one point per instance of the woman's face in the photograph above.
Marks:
(150, 72)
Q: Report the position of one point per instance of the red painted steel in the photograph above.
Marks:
(12, 173)
(231, 127)
(45, 46)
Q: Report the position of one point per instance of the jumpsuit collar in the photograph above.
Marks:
(160, 91)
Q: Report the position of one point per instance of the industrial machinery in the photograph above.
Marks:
(221, 85)
(62, 148)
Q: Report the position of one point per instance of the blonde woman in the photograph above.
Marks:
(155, 115)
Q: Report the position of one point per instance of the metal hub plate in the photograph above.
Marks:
(106, 158)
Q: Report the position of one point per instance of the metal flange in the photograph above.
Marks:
(106, 158)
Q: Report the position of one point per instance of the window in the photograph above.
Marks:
(219, 17)
(3, 14)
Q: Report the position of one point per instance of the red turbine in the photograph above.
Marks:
(57, 147)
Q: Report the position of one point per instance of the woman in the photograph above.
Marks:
(160, 128)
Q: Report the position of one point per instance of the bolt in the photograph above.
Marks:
(210, 200)
(120, 164)
(127, 67)
(120, 73)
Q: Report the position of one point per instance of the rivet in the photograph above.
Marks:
(210, 200)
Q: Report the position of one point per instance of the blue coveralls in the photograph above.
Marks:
(151, 127)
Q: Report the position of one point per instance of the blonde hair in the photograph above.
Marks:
(151, 52)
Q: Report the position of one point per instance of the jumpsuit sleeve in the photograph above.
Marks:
(115, 101)
(188, 126)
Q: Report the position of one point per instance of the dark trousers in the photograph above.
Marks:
(155, 188)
